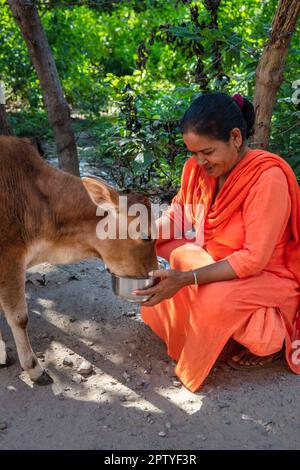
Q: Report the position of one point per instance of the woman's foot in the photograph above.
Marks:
(246, 360)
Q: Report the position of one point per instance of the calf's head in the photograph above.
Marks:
(124, 231)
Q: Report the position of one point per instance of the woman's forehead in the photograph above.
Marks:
(196, 143)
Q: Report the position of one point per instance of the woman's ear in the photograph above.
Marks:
(237, 137)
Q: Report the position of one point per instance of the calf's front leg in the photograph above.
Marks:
(12, 299)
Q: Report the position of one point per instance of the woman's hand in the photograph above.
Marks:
(170, 282)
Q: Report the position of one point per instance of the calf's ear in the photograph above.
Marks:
(99, 191)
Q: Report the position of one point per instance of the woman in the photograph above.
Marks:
(244, 282)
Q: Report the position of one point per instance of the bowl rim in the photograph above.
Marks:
(159, 259)
(129, 277)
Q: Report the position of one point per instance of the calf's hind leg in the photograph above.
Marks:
(12, 299)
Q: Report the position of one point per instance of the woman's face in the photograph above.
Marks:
(217, 157)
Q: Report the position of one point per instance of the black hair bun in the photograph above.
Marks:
(249, 116)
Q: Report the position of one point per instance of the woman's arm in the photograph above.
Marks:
(171, 280)
(219, 271)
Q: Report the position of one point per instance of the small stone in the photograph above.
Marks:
(85, 368)
(227, 422)
(37, 279)
(268, 426)
(126, 376)
(168, 425)
(74, 277)
(177, 383)
(201, 437)
(72, 319)
(130, 313)
(77, 378)
(3, 426)
(90, 343)
(162, 434)
(67, 361)
(11, 388)
(44, 336)
(246, 418)
(142, 384)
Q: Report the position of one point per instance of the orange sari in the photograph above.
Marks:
(254, 223)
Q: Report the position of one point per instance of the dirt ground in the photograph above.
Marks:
(132, 399)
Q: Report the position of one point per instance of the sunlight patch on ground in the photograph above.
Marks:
(46, 303)
(182, 398)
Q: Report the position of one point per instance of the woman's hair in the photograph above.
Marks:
(216, 114)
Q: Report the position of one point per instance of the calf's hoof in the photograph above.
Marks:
(44, 379)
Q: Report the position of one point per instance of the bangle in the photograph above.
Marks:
(195, 278)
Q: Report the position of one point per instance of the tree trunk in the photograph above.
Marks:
(5, 128)
(27, 17)
(269, 73)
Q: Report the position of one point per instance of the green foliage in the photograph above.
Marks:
(134, 66)
(151, 154)
(31, 124)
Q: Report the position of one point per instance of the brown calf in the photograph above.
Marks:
(50, 216)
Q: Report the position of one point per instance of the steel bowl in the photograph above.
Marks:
(123, 286)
